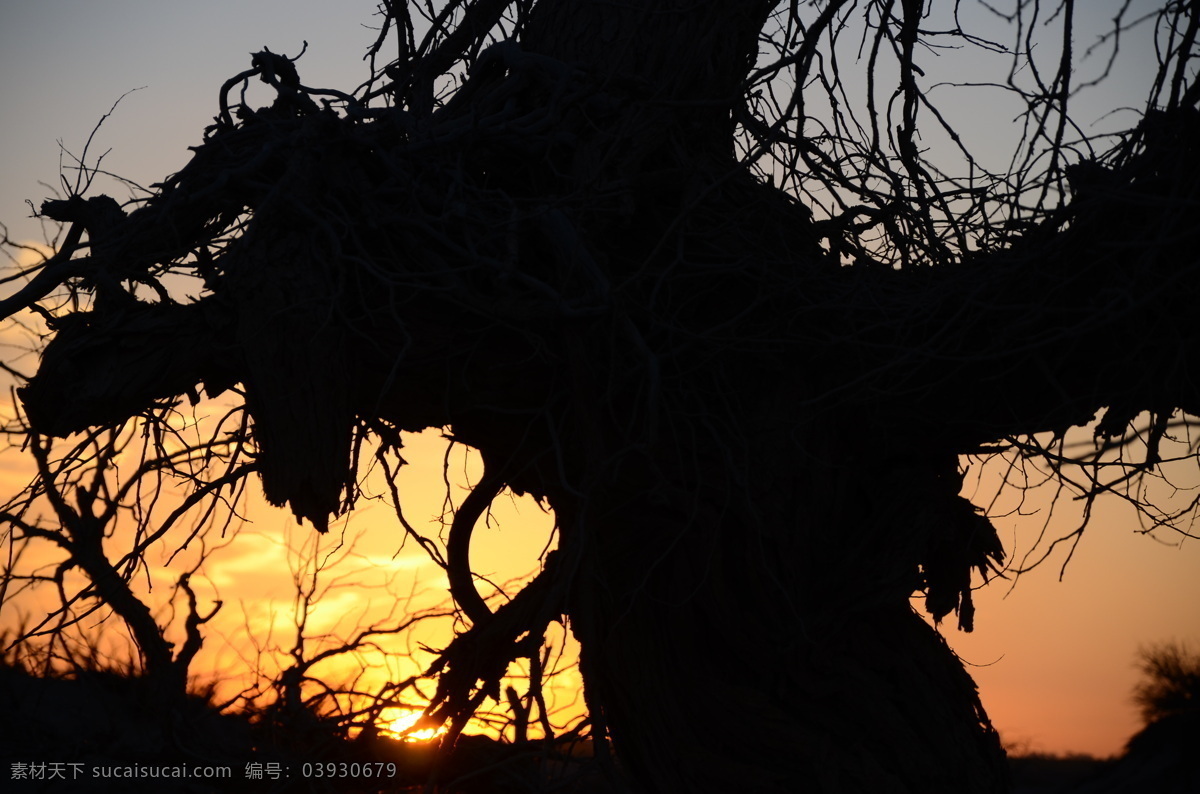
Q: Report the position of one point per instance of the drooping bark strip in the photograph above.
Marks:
(750, 449)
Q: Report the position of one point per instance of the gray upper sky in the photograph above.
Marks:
(63, 63)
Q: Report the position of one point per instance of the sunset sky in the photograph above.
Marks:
(1054, 659)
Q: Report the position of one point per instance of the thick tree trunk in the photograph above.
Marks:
(757, 644)
(743, 609)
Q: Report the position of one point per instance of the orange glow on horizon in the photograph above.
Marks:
(402, 723)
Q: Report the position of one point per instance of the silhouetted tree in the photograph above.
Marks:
(581, 235)
(1170, 685)
(90, 514)
(84, 533)
(1161, 756)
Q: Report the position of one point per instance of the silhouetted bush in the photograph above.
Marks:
(1171, 685)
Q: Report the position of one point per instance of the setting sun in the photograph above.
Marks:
(401, 723)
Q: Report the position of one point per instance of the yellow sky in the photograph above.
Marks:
(272, 574)
(1054, 660)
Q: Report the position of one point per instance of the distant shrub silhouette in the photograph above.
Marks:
(1161, 757)
(1171, 685)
